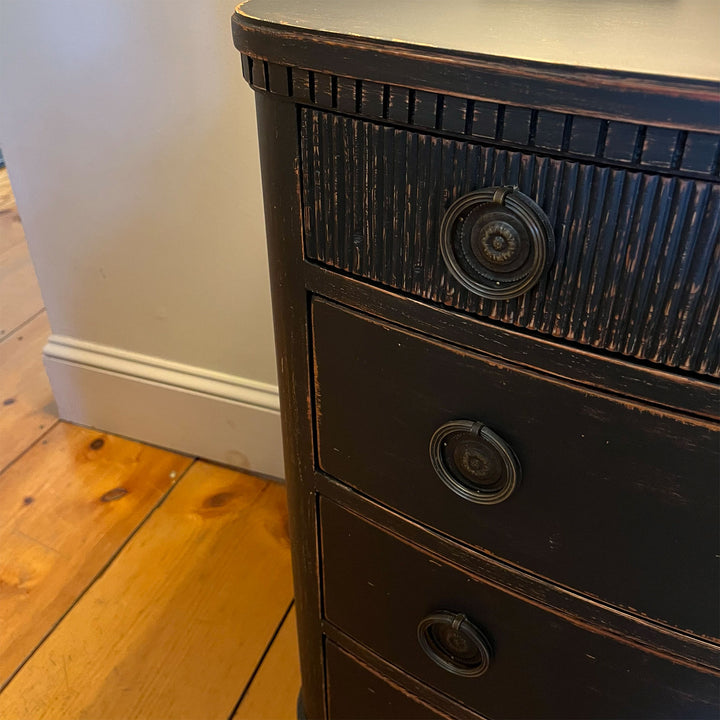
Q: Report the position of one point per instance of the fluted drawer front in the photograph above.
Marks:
(636, 268)
(378, 589)
(611, 498)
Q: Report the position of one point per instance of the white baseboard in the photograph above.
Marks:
(199, 412)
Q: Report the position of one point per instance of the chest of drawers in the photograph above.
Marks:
(495, 264)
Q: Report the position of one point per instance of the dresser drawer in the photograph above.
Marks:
(636, 262)
(613, 498)
(379, 590)
(358, 693)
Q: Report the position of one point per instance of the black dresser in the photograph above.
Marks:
(493, 232)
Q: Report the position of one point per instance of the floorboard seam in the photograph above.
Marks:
(261, 661)
(24, 452)
(19, 327)
(97, 576)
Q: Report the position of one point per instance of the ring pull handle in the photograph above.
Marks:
(497, 242)
(474, 462)
(501, 193)
(454, 643)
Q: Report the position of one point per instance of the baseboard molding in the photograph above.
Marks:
(220, 417)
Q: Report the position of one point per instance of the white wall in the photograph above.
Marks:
(130, 140)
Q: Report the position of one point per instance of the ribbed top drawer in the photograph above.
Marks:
(636, 265)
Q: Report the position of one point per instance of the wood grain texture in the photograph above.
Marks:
(66, 507)
(11, 231)
(175, 626)
(274, 691)
(19, 292)
(622, 279)
(20, 297)
(27, 408)
(7, 197)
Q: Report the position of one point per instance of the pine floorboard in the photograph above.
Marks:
(66, 507)
(19, 292)
(174, 627)
(20, 297)
(134, 582)
(27, 408)
(11, 231)
(274, 690)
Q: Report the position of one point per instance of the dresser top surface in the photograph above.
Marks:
(673, 38)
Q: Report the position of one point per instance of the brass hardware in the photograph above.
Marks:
(474, 462)
(454, 643)
(497, 242)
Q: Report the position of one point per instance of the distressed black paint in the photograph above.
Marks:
(617, 531)
(626, 277)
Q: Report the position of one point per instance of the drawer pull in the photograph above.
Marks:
(454, 643)
(497, 242)
(474, 462)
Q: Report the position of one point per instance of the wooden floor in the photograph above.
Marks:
(134, 582)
